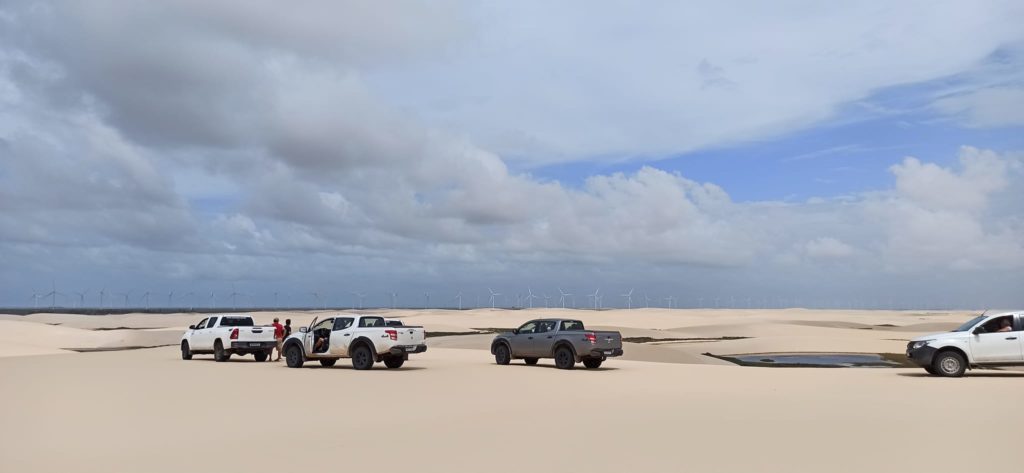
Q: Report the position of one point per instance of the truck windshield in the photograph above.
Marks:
(571, 325)
(236, 322)
(970, 323)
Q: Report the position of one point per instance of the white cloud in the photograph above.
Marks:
(986, 108)
(357, 153)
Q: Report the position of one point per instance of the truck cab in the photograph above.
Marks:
(984, 341)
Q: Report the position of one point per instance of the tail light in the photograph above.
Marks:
(234, 334)
(590, 337)
(392, 334)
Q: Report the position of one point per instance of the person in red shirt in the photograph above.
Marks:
(279, 337)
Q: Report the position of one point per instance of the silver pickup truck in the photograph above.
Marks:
(565, 340)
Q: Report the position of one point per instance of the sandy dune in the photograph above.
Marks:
(452, 409)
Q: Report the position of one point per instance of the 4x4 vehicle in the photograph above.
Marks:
(565, 340)
(366, 339)
(984, 341)
(226, 335)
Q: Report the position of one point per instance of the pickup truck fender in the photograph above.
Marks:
(361, 341)
(500, 341)
(565, 343)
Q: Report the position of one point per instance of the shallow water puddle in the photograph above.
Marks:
(815, 360)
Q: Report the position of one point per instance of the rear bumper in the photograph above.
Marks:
(406, 351)
(606, 353)
(252, 346)
(921, 356)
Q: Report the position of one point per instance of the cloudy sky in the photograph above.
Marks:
(841, 154)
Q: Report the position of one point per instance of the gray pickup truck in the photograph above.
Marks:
(565, 340)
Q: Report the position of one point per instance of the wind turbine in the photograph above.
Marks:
(234, 297)
(426, 295)
(53, 295)
(103, 294)
(125, 295)
(530, 296)
(629, 298)
(670, 299)
(356, 300)
(145, 296)
(81, 298)
(647, 301)
(562, 296)
(595, 296)
(458, 297)
(492, 296)
(170, 299)
(547, 301)
(35, 300)
(394, 300)
(213, 298)
(316, 299)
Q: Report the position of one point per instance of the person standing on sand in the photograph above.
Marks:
(279, 337)
(287, 327)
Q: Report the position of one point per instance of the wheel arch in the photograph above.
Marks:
(564, 343)
(363, 341)
(500, 341)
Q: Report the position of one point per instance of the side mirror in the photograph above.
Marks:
(515, 331)
(979, 330)
(191, 327)
(303, 329)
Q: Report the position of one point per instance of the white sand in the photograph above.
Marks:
(452, 409)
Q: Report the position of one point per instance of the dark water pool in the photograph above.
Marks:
(839, 360)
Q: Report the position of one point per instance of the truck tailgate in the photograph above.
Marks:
(255, 334)
(607, 340)
(410, 335)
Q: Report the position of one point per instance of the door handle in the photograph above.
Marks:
(1011, 338)
(529, 338)
(550, 337)
(348, 334)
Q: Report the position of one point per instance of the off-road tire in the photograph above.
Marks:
(564, 359)
(394, 362)
(362, 358)
(261, 356)
(530, 361)
(293, 356)
(502, 355)
(327, 363)
(949, 364)
(219, 354)
(186, 353)
(592, 363)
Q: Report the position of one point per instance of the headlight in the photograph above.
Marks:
(920, 344)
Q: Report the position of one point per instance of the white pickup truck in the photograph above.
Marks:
(366, 339)
(984, 341)
(226, 335)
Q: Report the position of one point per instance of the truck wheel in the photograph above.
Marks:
(218, 352)
(293, 356)
(394, 362)
(931, 371)
(328, 362)
(502, 355)
(186, 353)
(261, 356)
(949, 364)
(362, 359)
(592, 363)
(531, 360)
(564, 359)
